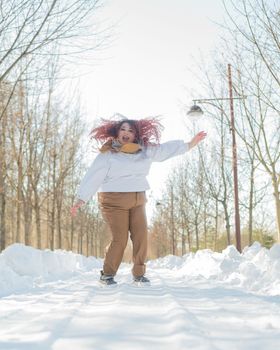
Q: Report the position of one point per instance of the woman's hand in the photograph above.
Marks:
(197, 138)
(76, 206)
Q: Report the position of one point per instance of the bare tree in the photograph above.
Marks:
(29, 27)
(256, 56)
(33, 35)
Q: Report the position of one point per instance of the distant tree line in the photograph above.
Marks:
(41, 128)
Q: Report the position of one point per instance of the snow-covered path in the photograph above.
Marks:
(52, 300)
(173, 313)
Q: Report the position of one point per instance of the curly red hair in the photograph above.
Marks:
(147, 131)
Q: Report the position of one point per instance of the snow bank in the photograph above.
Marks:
(256, 270)
(22, 267)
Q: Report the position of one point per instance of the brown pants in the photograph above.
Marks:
(125, 212)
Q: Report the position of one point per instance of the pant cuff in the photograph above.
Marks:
(138, 270)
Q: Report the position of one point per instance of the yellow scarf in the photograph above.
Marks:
(115, 146)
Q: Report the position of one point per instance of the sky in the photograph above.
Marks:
(146, 69)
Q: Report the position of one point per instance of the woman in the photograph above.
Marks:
(119, 173)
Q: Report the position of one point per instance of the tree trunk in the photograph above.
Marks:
(59, 218)
(227, 222)
(251, 206)
(27, 221)
(216, 224)
(53, 201)
(19, 200)
(2, 186)
(80, 239)
(38, 221)
(196, 235)
(183, 243)
(205, 227)
(72, 234)
(189, 239)
(275, 184)
(2, 212)
(173, 224)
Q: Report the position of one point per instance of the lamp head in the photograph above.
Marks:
(195, 111)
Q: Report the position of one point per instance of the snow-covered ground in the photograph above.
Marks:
(205, 301)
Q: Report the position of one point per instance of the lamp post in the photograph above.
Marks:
(197, 111)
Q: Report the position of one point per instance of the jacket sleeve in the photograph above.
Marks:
(164, 151)
(93, 177)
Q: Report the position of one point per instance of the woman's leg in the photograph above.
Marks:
(139, 234)
(116, 214)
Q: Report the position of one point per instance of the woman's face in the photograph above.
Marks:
(126, 134)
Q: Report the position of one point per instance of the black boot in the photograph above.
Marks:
(141, 279)
(107, 279)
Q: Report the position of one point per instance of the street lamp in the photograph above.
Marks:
(196, 111)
